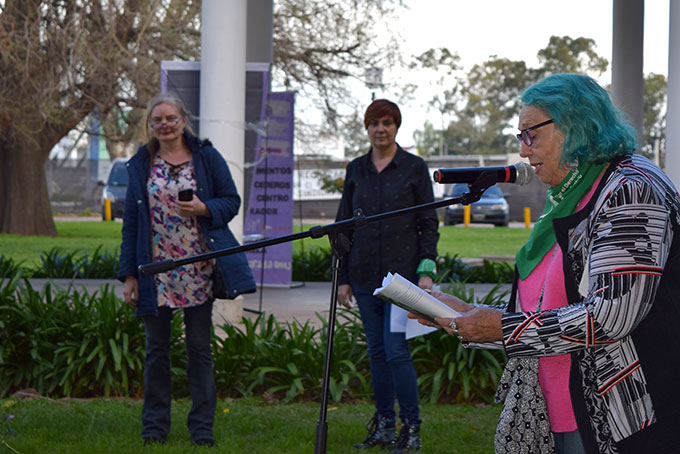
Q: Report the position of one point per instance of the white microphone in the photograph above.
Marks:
(520, 173)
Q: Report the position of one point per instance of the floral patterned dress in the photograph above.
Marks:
(174, 237)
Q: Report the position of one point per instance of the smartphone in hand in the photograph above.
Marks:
(185, 195)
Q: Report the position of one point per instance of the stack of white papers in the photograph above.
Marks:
(408, 297)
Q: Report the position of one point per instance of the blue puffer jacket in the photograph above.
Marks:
(216, 189)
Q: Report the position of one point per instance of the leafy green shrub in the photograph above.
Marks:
(102, 350)
(29, 336)
(102, 265)
(309, 265)
(287, 360)
(350, 375)
(8, 267)
(492, 272)
(312, 265)
(68, 343)
(235, 354)
(58, 263)
(448, 371)
(452, 268)
(294, 360)
(315, 265)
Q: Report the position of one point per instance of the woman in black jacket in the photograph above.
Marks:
(388, 178)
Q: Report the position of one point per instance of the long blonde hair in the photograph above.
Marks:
(173, 99)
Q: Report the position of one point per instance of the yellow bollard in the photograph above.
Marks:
(527, 217)
(466, 215)
(107, 210)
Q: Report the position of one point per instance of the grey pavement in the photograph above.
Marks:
(299, 302)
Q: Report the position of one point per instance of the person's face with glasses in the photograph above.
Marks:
(166, 122)
(541, 143)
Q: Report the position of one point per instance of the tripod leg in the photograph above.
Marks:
(321, 425)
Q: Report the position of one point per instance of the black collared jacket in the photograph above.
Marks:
(396, 244)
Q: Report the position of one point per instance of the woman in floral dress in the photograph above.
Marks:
(158, 226)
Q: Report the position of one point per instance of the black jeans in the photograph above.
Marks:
(157, 375)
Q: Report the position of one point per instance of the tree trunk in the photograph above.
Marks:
(24, 201)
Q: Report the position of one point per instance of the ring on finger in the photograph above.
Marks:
(454, 327)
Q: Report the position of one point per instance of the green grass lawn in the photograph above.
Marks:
(249, 425)
(475, 242)
(88, 235)
(73, 235)
(458, 240)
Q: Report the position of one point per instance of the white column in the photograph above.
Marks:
(627, 45)
(673, 102)
(223, 86)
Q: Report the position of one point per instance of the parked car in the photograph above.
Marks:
(492, 208)
(115, 189)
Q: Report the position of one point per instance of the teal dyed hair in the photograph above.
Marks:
(595, 130)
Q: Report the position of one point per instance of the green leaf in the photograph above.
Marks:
(116, 354)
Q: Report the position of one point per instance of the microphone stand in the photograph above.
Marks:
(340, 245)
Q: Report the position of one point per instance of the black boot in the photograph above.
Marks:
(409, 438)
(381, 432)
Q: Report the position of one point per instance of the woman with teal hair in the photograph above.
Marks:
(591, 328)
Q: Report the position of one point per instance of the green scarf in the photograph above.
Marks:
(561, 201)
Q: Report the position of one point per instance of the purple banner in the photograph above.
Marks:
(269, 212)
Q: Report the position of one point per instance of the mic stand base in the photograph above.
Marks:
(339, 246)
(253, 311)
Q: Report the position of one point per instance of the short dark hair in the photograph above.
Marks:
(380, 108)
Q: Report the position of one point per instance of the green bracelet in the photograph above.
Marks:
(427, 267)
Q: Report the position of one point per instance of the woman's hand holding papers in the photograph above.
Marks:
(477, 324)
(454, 303)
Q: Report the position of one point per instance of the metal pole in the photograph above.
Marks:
(322, 425)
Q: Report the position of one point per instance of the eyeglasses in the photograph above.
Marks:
(161, 124)
(524, 136)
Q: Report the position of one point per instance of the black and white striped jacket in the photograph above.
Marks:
(622, 326)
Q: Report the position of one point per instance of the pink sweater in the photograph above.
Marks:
(553, 371)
